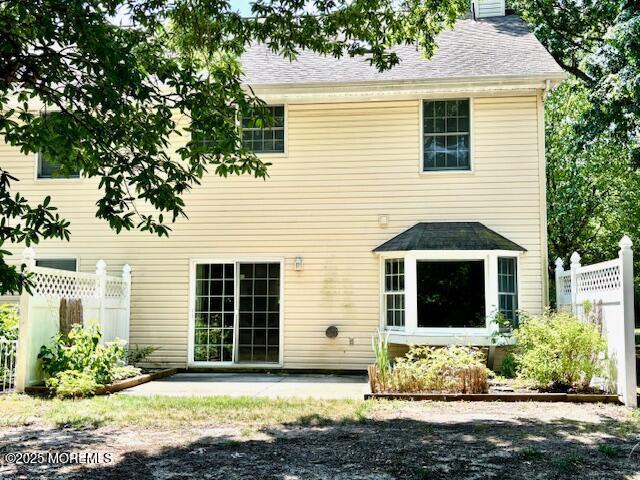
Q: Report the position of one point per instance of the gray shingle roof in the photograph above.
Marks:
(448, 236)
(498, 46)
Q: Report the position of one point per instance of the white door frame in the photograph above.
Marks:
(236, 261)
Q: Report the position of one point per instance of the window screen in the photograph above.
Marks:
(269, 139)
(69, 264)
(508, 288)
(394, 292)
(446, 135)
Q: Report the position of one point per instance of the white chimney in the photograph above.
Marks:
(487, 8)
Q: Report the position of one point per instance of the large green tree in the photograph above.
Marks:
(119, 88)
(593, 194)
(598, 42)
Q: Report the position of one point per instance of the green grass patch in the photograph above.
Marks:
(531, 453)
(174, 412)
(569, 463)
(611, 451)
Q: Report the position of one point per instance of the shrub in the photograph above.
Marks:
(72, 384)
(556, 351)
(70, 359)
(137, 354)
(9, 319)
(124, 372)
(452, 369)
(509, 368)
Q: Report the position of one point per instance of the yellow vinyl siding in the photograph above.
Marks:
(346, 164)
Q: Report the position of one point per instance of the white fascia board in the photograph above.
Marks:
(335, 92)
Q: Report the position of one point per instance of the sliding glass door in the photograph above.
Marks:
(259, 315)
(237, 312)
(214, 312)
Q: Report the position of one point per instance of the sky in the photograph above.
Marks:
(242, 6)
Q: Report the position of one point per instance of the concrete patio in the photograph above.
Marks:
(256, 385)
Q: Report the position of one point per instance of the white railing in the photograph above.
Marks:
(7, 364)
(104, 300)
(608, 288)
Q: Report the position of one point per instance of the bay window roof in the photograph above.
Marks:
(448, 236)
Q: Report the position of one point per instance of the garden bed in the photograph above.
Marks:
(501, 390)
(116, 386)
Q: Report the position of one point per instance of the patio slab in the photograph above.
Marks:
(257, 385)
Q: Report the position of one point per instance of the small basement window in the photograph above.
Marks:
(446, 135)
(70, 264)
(394, 292)
(451, 294)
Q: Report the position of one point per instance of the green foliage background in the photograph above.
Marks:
(593, 192)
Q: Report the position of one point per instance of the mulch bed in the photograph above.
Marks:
(116, 386)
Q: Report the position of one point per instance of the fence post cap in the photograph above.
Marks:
(101, 267)
(28, 253)
(29, 257)
(625, 243)
(559, 263)
(575, 257)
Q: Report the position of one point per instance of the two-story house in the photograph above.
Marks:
(411, 200)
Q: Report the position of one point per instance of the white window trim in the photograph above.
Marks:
(411, 333)
(471, 170)
(38, 178)
(384, 294)
(193, 262)
(60, 257)
(286, 133)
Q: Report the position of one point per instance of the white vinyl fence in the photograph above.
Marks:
(608, 288)
(105, 301)
(7, 364)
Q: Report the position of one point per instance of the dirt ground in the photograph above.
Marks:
(393, 441)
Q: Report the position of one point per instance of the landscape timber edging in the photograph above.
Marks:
(116, 386)
(497, 397)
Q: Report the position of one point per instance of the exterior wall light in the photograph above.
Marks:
(299, 263)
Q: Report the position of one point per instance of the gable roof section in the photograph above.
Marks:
(491, 47)
(448, 236)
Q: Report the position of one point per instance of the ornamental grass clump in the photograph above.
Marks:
(452, 369)
(558, 352)
(380, 370)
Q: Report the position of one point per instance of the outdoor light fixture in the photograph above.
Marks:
(299, 263)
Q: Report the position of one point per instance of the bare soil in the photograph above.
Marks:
(394, 441)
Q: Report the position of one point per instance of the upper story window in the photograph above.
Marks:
(265, 139)
(47, 167)
(446, 137)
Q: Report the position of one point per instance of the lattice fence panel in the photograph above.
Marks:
(115, 287)
(607, 279)
(60, 284)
